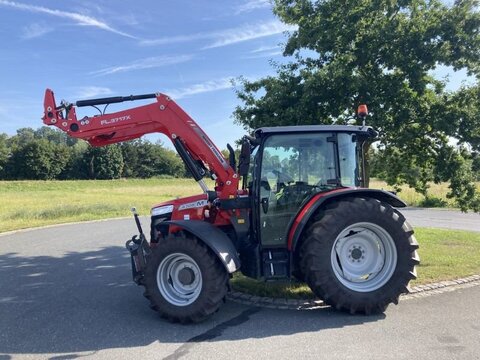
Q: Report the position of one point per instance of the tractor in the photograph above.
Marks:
(295, 207)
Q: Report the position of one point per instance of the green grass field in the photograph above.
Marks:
(27, 204)
(412, 198)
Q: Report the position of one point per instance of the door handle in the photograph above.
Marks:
(264, 202)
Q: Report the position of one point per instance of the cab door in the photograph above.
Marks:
(293, 168)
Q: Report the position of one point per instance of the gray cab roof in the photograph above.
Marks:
(366, 130)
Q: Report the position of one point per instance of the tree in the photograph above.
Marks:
(76, 167)
(4, 152)
(38, 159)
(23, 136)
(144, 159)
(381, 52)
(103, 162)
(54, 135)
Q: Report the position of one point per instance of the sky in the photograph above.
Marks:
(189, 50)
(81, 49)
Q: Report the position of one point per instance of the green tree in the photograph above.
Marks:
(54, 135)
(130, 158)
(144, 159)
(4, 153)
(381, 52)
(22, 138)
(76, 167)
(103, 162)
(38, 159)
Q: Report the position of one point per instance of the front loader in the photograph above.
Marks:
(295, 207)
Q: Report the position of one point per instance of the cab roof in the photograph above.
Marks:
(365, 130)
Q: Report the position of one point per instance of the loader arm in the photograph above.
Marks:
(162, 116)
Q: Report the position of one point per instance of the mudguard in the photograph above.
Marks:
(302, 217)
(214, 238)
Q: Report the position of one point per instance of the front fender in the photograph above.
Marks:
(214, 238)
(301, 219)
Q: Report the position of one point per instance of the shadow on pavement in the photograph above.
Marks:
(86, 302)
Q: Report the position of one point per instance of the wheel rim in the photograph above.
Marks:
(364, 257)
(179, 279)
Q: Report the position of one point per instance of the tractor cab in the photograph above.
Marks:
(290, 166)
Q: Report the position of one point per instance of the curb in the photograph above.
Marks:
(311, 304)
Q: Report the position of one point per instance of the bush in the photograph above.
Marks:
(432, 202)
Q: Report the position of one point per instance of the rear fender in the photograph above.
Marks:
(322, 199)
(214, 238)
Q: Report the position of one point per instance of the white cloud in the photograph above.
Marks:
(35, 30)
(264, 55)
(85, 92)
(147, 63)
(265, 48)
(229, 36)
(251, 5)
(78, 18)
(265, 51)
(249, 32)
(208, 86)
(176, 39)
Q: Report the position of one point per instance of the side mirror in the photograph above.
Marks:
(231, 157)
(244, 159)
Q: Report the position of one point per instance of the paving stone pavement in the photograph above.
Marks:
(309, 304)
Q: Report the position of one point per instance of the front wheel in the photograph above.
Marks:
(184, 280)
(359, 255)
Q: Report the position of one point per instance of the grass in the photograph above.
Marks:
(437, 194)
(411, 197)
(27, 204)
(444, 254)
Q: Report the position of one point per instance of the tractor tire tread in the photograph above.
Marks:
(315, 261)
(214, 277)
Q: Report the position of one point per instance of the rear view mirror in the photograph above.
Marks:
(244, 159)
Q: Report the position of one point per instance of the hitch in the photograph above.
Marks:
(139, 251)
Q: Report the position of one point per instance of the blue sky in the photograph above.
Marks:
(187, 49)
(85, 49)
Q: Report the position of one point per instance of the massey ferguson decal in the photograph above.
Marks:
(195, 204)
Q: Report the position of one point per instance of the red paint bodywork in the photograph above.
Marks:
(163, 116)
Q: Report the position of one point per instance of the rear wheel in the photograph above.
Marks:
(184, 280)
(359, 255)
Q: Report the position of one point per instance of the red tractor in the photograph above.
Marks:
(301, 212)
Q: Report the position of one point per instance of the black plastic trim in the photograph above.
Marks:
(366, 131)
(214, 238)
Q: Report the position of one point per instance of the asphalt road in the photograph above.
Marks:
(439, 218)
(66, 292)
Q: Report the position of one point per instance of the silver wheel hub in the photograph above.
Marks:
(364, 257)
(179, 279)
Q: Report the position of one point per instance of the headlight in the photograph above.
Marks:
(162, 210)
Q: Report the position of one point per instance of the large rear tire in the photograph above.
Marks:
(359, 255)
(184, 280)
